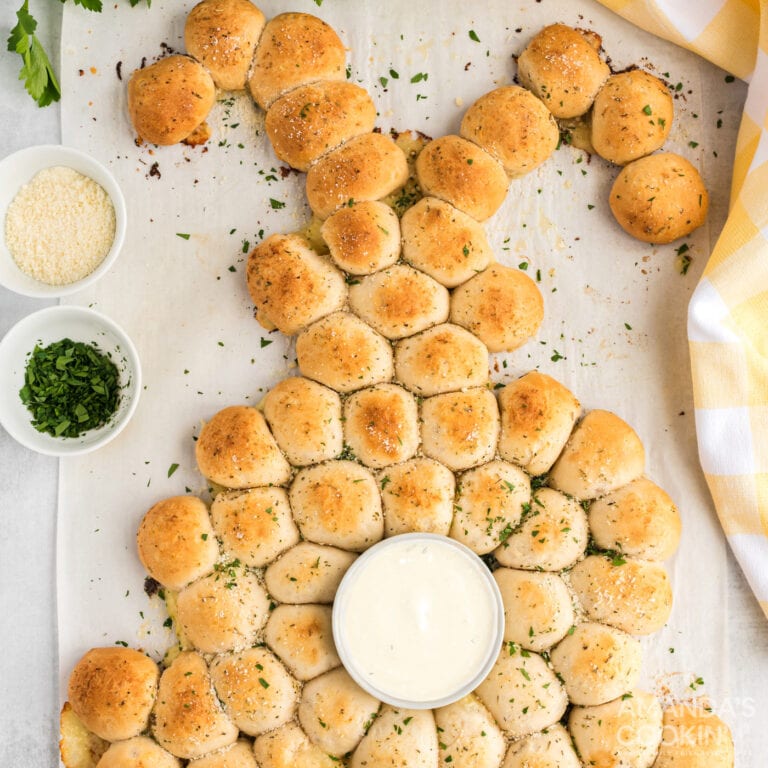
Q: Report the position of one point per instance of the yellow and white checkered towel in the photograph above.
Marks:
(728, 314)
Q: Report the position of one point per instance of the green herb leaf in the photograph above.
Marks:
(172, 469)
(183, 235)
(473, 36)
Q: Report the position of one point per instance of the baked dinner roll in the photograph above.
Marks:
(627, 729)
(308, 573)
(639, 520)
(553, 535)
(255, 525)
(289, 747)
(659, 198)
(239, 755)
(188, 718)
(256, 690)
(490, 500)
(301, 636)
(398, 737)
(468, 735)
(537, 417)
(460, 429)
(537, 608)
(399, 301)
(522, 692)
(236, 449)
(222, 36)
(463, 174)
(366, 167)
(137, 752)
(694, 737)
(169, 100)
(294, 49)
(78, 746)
(442, 359)
(223, 611)
(444, 242)
(562, 66)
(175, 541)
(344, 353)
(291, 285)
(502, 306)
(308, 122)
(603, 454)
(597, 663)
(112, 691)
(631, 116)
(363, 237)
(305, 419)
(551, 748)
(381, 425)
(417, 496)
(337, 503)
(512, 125)
(633, 595)
(335, 712)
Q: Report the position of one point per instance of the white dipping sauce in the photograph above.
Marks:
(417, 619)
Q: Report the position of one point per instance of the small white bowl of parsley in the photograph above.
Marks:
(70, 380)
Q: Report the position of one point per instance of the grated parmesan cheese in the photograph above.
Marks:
(60, 226)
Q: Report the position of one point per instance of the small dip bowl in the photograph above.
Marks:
(418, 621)
(46, 327)
(18, 169)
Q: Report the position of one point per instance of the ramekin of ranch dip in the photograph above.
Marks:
(418, 620)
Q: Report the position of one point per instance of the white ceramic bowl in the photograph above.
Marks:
(18, 169)
(48, 326)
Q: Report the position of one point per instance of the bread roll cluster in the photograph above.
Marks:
(392, 426)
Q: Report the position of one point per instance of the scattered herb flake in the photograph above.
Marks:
(172, 468)
(183, 235)
(473, 36)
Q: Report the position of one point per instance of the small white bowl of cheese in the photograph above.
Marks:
(63, 220)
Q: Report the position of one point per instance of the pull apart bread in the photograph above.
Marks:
(392, 426)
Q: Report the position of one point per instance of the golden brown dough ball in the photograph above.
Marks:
(512, 125)
(175, 541)
(254, 525)
(694, 737)
(381, 425)
(551, 748)
(306, 123)
(188, 719)
(597, 663)
(460, 429)
(239, 755)
(502, 306)
(137, 752)
(363, 238)
(294, 49)
(640, 520)
(444, 242)
(305, 419)
(292, 285)
(627, 728)
(399, 301)
(417, 496)
(537, 416)
(344, 353)
(631, 117)
(463, 174)
(236, 449)
(257, 691)
(112, 691)
(442, 359)
(338, 503)
(469, 736)
(490, 500)
(367, 167)
(302, 637)
(562, 66)
(170, 99)
(553, 535)
(603, 454)
(660, 198)
(633, 595)
(223, 611)
(289, 747)
(222, 35)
